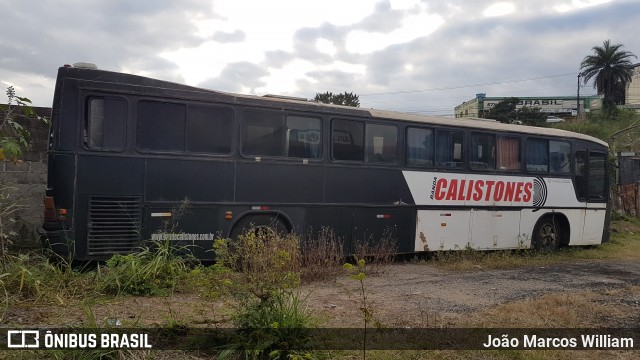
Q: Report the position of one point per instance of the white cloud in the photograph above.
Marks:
(326, 46)
(499, 9)
(578, 4)
(413, 27)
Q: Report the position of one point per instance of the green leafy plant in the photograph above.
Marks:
(358, 272)
(262, 274)
(150, 271)
(14, 138)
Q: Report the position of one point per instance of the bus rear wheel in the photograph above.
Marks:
(547, 234)
(259, 224)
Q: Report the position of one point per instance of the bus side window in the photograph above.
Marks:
(449, 149)
(508, 153)
(161, 126)
(263, 133)
(347, 140)
(105, 125)
(209, 129)
(537, 158)
(559, 157)
(483, 150)
(382, 143)
(420, 144)
(304, 136)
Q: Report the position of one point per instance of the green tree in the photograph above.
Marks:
(14, 138)
(611, 68)
(505, 111)
(346, 98)
(528, 115)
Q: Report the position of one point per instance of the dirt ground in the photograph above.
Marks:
(404, 295)
(422, 295)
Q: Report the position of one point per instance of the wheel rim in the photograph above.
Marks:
(548, 236)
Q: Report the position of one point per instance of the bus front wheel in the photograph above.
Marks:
(547, 234)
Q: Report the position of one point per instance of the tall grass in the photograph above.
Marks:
(263, 270)
(152, 270)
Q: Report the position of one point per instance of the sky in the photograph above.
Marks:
(418, 56)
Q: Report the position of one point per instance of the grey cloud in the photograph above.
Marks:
(112, 34)
(234, 77)
(225, 37)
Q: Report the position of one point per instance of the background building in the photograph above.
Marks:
(561, 106)
(632, 93)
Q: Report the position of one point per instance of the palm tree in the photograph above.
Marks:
(612, 68)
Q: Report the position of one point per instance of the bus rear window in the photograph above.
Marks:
(105, 125)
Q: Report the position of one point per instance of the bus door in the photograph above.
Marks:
(591, 188)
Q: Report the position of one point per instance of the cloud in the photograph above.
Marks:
(228, 37)
(239, 77)
(398, 54)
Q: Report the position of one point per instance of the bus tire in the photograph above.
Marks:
(259, 223)
(547, 234)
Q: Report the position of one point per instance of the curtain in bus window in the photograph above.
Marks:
(597, 176)
(348, 140)
(382, 143)
(537, 159)
(482, 152)
(559, 162)
(209, 129)
(449, 148)
(420, 147)
(263, 133)
(303, 137)
(508, 153)
(161, 126)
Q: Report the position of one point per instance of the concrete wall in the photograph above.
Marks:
(633, 89)
(26, 182)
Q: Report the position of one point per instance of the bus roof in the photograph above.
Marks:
(283, 101)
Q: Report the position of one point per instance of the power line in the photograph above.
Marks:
(466, 86)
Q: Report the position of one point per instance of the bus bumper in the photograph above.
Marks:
(58, 240)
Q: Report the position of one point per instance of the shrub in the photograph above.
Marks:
(150, 271)
(262, 274)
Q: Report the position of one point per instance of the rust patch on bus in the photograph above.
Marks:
(424, 241)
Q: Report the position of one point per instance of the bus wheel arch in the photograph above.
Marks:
(275, 220)
(552, 231)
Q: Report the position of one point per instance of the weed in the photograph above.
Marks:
(150, 271)
(379, 253)
(266, 262)
(262, 273)
(321, 255)
(358, 273)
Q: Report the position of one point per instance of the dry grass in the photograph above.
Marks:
(378, 253)
(568, 310)
(321, 257)
(624, 245)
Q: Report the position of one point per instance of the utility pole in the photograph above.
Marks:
(578, 98)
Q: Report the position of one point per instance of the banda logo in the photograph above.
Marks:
(483, 190)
